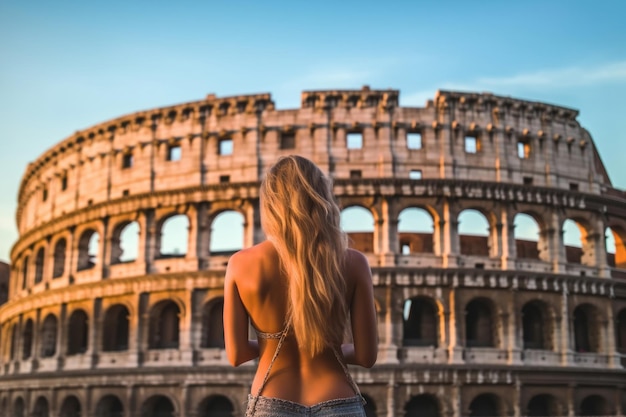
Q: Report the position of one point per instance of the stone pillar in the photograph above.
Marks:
(456, 322)
(143, 324)
(203, 238)
(387, 225)
(554, 236)
(185, 330)
(61, 337)
(508, 253)
(192, 233)
(450, 235)
(72, 258)
(391, 398)
(566, 350)
(388, 353)
(610, 343)
(95, 332)
(149, 242)
(105, 250)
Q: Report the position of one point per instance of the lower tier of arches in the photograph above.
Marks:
(389, 392)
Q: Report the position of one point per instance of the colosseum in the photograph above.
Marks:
(125, 228)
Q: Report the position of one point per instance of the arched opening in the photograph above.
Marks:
(479, 324)
(60, 248)
(358, 223)
(49, 336)
(536, 326)
(216, 406)
(227, 233)
(542, 405)
(586, 329)
(27, 339)
(25, 272)
(19, 408)
(173, 236)
(415, 231)
(88, 245)
(526, 236)
(620, 331)
(484, 405)
(573, 238)
(422, 406)
(370, 406)
(115, 329)
(78, 333)
(615, 239)
(164, 326)
(594, 405)
(41, 408)
(39, 261)
(125, 243)
(157, 406)
(420, 322)
(109, 406)
(213, 324)
(70, 407)
(473, 233)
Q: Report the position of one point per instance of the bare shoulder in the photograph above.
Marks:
(248, 260)
(357, 265)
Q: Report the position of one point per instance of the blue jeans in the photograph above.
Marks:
(277, 407)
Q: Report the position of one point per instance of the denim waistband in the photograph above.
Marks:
(277, 407)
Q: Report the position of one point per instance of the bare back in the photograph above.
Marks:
(256, 287)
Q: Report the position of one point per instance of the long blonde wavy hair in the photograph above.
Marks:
(300, 217)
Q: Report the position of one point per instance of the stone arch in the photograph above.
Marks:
(370, 406)
(165, 325)
(416, 231)
(594, 405)
(213, 324)
(41, 408)
(158, 406)
(358, 222)
(474, 231)
(480, 323)
(620, 331)
(48, 339)
(615, 243)
(537, 326)
(115, 328)
(40, 259)
(216, 406)
(88, 245)
(543, 405)
(527, 231)
(27, 339)
(125, 242)
(109, 406)
(173, 236)
(77, 332)
(421, 322)
(70, 407)
(19, 407)
(423, 405)
(227, 232)
(578, 248)
(58, 265)
(586, 326)
(486, 405)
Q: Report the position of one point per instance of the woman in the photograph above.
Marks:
(298, 289)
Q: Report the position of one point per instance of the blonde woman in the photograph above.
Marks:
(298, 288)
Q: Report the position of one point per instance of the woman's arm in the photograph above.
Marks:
(238, 348)
(364, 350)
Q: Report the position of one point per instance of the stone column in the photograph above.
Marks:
(387, 231)
(149, 242)
(554, 237)
(508, 252)
(61, 337)
(391, 397)
(456, 322)
(450, 235)
(203, 238)
(192, 233)
(566, 346)
(95, 332)
(389, 351)
(105, 250)
(72, 258)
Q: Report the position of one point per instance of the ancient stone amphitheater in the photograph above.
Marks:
(115, 296)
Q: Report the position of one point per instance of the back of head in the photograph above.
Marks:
(299, 215)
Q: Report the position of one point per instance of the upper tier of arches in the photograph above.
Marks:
(350, 134)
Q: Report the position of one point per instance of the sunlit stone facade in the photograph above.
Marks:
(468, 325)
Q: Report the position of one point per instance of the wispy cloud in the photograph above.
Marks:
(550, 79)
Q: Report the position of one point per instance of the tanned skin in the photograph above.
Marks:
(256, 288)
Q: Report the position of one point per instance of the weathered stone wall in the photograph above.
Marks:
(467, 324)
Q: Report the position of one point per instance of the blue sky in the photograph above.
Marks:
(67, 65)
